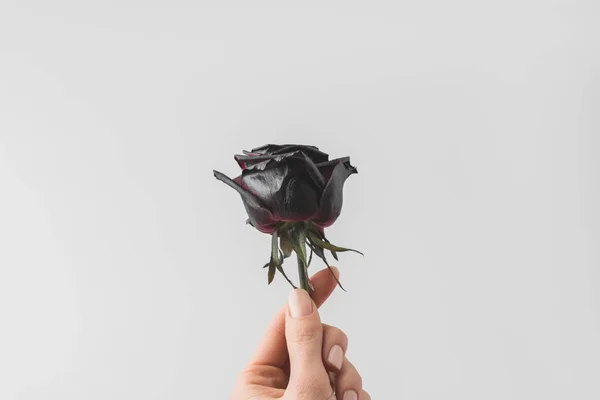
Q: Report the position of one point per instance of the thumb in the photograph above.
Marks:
(304, 337)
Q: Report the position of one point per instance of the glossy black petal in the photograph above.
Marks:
(332, 197)
(286, 189)
(326, 168)
(249, 161)
(311, 151)
(260, 217)
(313, 171)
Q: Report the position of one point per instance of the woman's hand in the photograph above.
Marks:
(300, 358)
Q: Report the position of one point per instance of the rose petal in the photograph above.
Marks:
(332, 197)
(311, 151)
(313, 171)
(285, 188)
(260, 216)
(326, 168)
(259, 161)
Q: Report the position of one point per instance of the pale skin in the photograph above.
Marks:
(300, 358)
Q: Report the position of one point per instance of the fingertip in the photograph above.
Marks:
(325, 278)
(300, 303)
(335, 271)
(324, 283)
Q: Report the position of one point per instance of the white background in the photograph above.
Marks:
(126, 270)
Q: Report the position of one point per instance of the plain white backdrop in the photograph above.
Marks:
(126, 270)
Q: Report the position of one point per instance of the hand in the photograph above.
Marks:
(300, 358)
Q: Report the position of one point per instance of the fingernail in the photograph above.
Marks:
(300, 303)
(336, 356)
(350, 395)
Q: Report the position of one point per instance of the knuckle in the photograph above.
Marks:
(304, 334)
(352, 376)
(248, 375)
(334, 335)
(342, 338)
(263, 375)
(357, 381)
(314, 388)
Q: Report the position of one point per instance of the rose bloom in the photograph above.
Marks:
(290, 183)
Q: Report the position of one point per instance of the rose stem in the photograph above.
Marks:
(301, 256)
(303, 275)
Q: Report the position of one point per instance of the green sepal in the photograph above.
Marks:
(333, 252)
(297, 235)
(286, 245)
(321, 254)
(321, 235)
(331, 247)
(280, 269)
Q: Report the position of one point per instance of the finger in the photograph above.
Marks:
(335, 345)
(303, 332)
(348, 383)
(304, 337)
(365, 396)
(272, 349)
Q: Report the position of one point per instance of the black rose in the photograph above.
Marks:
(290, 183)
